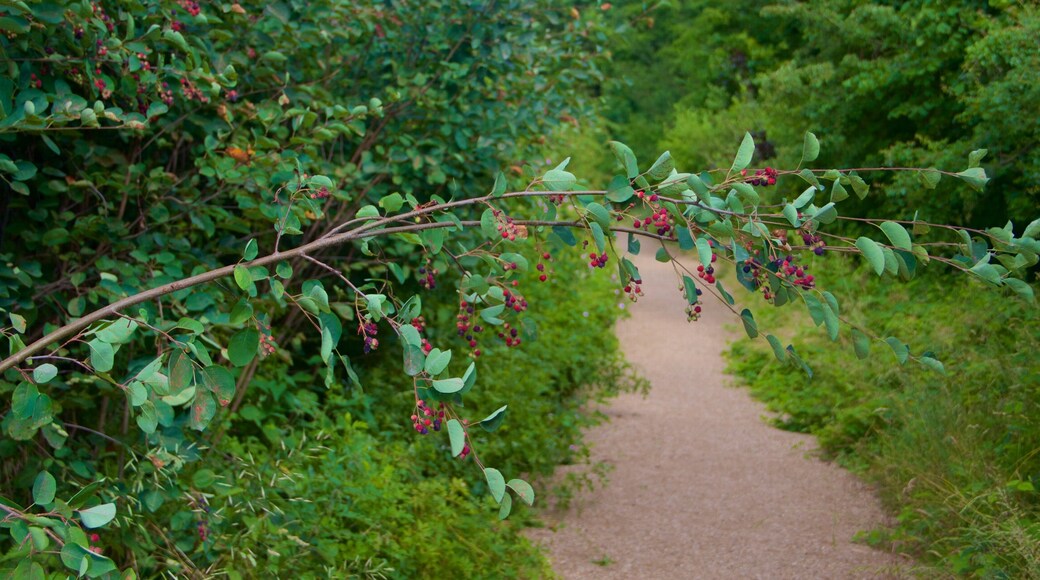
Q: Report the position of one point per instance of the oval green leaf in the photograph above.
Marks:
(496, 483)
(456, 436)
(872, 252)
(44, 488)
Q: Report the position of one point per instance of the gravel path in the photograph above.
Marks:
(702, 487)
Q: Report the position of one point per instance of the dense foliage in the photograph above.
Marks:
(917, 83)
(146, 141)
(249, 264)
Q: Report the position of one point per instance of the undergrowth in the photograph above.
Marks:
(955, 457)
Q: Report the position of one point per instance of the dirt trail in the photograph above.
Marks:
(702, 487)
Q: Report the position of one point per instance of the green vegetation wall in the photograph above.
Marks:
(145, 141)
(914, 83)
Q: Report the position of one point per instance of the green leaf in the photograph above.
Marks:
(243, 346)
(861, 343)
(448, 386)
(243, 278)
(437, 361)
(489, 225)
(791, 214)
(831, 301)
(810, 148)
(523, 490)
(1021, 288)
(634, 245)
(704, 251)
(598, 213)
(662, 255)
(1032, 230)
(148, 418)
(118, 332)
(872, 252)
(744, 153)
(492, 421)
(750, 326)
(558, 179)
(838, 192)
(690, 289)
(815, 307)
(598, 237)
(506, 506)
(929, 177)
(102, 355)
(83, 561)
(456, 436)
(810, 177)
(662, 167)
(933, 363)
(830, 319)
(203, 409)
(98, 515)
(619, 190)
(797, 361)
(44, 373)
(897, 234)
(220, 382)
(725, 295)
(805, 198)
(44, 488)
(496, 483)
(975, 157)
(414, 359)
(975, 177)
(251, 251)
(368, 211)
(499, 187)
(901, 351)
(625, 158)
(778, 349)
(40, 541)
(469, 378)
(182, 371)
(391, 203)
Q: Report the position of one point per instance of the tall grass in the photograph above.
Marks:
(955, 457)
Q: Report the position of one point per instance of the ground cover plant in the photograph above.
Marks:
(270, 267)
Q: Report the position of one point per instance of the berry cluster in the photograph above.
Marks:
(464, 329)
(369, 330)
(815, 242)
(787, 269)
(99, 12)
(191, 92)
(191, 6)
(634, 289)
(322, 193)
(425, 417)
(509, 335)
(35, 82)
(427, 275)
(765, 176)
(707, 274)
(542, 276)
(693, 311)
(515, 302)
(508, 230)
(598, 261)
(419, 323)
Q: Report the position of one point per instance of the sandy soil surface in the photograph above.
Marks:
(702, 486)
